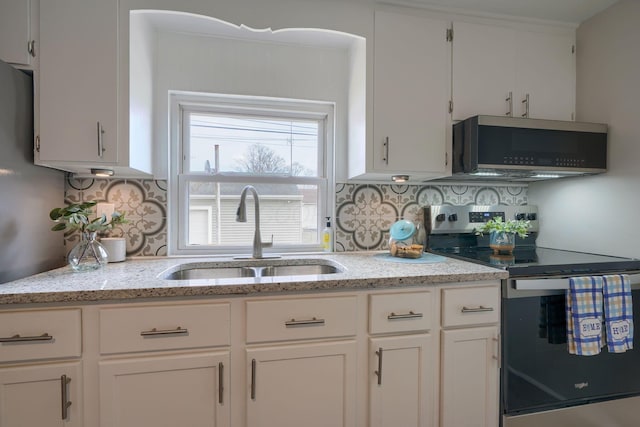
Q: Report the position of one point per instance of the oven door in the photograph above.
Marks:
(538, 374)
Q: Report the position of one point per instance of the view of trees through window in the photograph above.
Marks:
(278, 156)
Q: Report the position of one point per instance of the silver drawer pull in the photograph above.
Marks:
(64, 392)
(379, 371)
(479, 309)
(18, 338)
(409, 315)
(308, 322)
(155, 331)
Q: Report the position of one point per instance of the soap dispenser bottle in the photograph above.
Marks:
(327, 236)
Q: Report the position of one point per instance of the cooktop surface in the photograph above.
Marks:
(538, 261)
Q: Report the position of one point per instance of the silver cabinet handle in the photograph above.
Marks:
(31, 48)
(379, 371)
(220, 383)
(385, 155)
(154, 331)
(18, 338)
(309, 322)
(64, 390)
(101, 148)
(253, 379)
(525, 101)
(510, 101)
(409, 315)
(479, 309)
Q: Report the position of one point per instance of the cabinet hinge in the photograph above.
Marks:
(37, 143)
(450, 106)
(31, 48)
(450, 34)
(573, 48)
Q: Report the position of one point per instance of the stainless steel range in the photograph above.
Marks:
(541, 383)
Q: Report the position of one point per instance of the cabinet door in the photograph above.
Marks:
(401, 381)
(78, 80)
(310, 385)
(470, 377)
(32, 395)
(545, 69)
(15, 31)
(411, 94)
(181, 390)
(483, 69)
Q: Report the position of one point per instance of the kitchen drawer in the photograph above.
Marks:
(470, 306)
(400, 312)
(296, 319)
(168, 327)
(40, 334)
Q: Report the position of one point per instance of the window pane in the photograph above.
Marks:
(287, 211)
(253, 145)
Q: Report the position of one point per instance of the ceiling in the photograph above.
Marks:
(569, 11)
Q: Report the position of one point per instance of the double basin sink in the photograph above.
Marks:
(251, 268)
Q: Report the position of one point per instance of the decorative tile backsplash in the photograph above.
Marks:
(364, 212)
(144, 203)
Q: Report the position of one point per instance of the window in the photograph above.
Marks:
(222, 143)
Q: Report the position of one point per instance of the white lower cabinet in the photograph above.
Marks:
(345, 359)
(470, 357)
(401, 366)
(165, 391)
(470, 367)
(400, 381)
(40, 368)
(48, 395)
(311, 385)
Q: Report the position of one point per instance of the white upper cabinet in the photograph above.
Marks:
(504, 71)
(483, 69)
(411, 66)
(80, 93)
(545, 69)
(78, 81)
(16, 32)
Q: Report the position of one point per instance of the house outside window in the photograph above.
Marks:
(222, 143)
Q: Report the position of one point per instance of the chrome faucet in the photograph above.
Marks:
(241, 216)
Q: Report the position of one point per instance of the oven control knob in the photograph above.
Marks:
(440, 217)
(520, 216)
(453, 217)
(532, 216)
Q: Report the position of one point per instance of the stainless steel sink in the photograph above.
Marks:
(275, 269)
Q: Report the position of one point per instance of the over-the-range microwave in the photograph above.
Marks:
(518, 149)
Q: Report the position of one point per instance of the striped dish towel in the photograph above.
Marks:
(618, 313)
(584, 315)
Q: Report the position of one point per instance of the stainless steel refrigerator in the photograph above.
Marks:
(27, 192)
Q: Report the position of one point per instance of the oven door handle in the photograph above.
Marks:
(553, 284)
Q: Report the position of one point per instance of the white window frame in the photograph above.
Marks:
(178, 199)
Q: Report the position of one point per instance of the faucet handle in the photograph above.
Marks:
(268, 244)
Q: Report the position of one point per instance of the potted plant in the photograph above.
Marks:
(89, 254)
(502, 234)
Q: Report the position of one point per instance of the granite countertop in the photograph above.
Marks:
(142, 278)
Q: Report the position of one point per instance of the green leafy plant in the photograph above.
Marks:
(77, 217)
(519, 227)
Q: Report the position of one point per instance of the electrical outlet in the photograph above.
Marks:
(105, 208)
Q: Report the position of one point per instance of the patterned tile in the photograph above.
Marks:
(144, 203)
(364, 213)
(362, 218)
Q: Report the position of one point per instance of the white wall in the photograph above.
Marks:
(237, 67)
(353, 17)
(601, 213)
